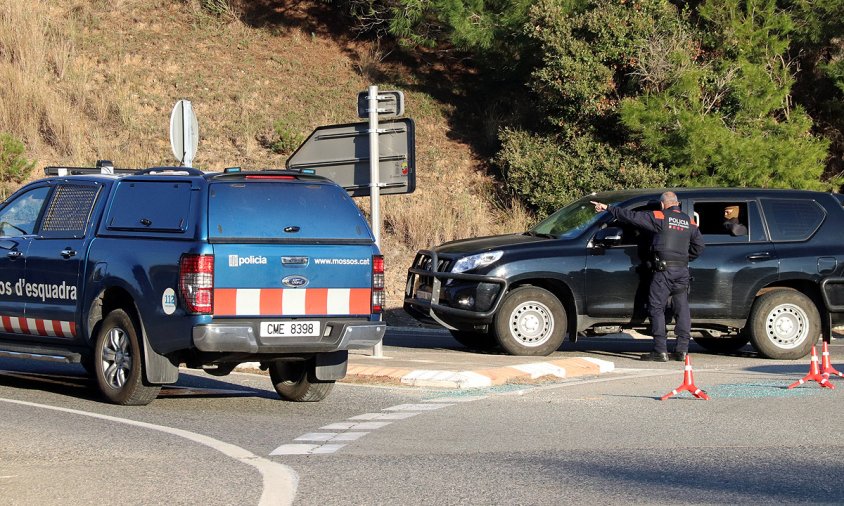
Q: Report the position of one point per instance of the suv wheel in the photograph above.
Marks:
(474, 340)
(119, 362)
(295, 381)
(530, 321)
(784, 324)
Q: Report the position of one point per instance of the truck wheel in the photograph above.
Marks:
(784, 324)
(119, 362)
(530, 321)
(723, 344)
(474, 340)
(295, 381)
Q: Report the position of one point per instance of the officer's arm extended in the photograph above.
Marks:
(648, 220)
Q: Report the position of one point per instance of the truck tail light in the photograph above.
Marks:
(378, 297)
(196, 283)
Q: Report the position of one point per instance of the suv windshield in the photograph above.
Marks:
(571, 220)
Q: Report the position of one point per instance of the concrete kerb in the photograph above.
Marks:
(437, 378)
(523, 373)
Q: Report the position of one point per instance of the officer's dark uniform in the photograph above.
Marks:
(677, 241)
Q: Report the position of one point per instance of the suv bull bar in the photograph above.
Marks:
(431, 307)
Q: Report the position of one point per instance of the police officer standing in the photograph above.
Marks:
(676, 242)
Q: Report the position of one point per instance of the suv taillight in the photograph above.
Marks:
(378, 297)
(196, 283)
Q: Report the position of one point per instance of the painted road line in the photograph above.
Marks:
(330, 440)
(383, 416)
(306, 449)
(279, 481)
(355, 425)
(417, 407)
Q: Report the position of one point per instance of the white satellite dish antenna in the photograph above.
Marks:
(184, 132)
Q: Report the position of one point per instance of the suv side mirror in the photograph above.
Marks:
(607, 237)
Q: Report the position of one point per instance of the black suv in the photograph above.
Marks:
(578, 271)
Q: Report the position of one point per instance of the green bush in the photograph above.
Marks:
(286, 139)
(546, 172)
(14, 168)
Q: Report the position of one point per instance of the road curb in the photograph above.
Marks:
(522, 373)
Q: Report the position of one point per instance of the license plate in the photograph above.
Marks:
(290, 329)
(422, 294)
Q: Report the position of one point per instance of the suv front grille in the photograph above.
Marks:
(425, 262)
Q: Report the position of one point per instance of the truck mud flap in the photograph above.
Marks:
(158, 368)
(331, 366)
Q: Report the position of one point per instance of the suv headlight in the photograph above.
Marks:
(475, 261)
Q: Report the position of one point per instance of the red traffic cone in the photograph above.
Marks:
(814, 374)
(826, 368)
(688, 384)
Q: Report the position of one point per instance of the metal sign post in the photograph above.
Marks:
(374, 192)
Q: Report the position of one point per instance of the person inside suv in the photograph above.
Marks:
(732, 223)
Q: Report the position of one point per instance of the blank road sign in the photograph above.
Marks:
(341, 153)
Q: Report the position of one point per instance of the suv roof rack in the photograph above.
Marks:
(102, 167)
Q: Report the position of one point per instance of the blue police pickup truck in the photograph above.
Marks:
(133, 274)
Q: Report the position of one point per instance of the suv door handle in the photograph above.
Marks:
(67, 253)
(14, 254)
(763, 255)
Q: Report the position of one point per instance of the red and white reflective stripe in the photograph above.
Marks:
(291, 302)
(35, 327)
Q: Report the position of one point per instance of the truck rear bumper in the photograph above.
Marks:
(243, 337)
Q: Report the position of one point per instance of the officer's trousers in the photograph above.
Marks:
(672, 283)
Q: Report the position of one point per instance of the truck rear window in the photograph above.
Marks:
(278, 211)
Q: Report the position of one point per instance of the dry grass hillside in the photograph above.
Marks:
(86, 80)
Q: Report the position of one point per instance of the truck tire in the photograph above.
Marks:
(119, 362)
(531, 322)
(295, 381)
(723, 344)
(784, 324)
(475, 340)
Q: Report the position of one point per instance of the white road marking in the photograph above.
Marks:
(279, 481)
(355, 425)
(304, 449)
(383, 416)
(416, 407)
(317, 436)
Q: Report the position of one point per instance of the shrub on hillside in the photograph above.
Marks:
(14, 167)
(548, 171)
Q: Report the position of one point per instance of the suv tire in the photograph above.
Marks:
(119, 362)
(531, 321)
(784, 324)
(295, 381)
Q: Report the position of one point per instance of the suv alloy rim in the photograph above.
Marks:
(117, 358)
(787, 326)
(531, 323)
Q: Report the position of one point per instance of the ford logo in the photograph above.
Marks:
(295, 281)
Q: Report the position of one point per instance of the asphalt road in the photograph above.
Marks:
(606, 439)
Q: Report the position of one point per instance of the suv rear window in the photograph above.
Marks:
(277, 211)
(792, 219)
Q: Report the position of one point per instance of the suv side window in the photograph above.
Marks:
(633, 235)
(792, 219)
(69, 210)
(727, 221)
(20, 216)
